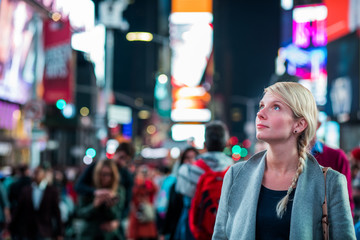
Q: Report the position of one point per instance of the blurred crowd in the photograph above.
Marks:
(115, 199)
(109, 199)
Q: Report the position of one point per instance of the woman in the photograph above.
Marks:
(176, 204)
(278, 193)
(142, 213)
(102, 212)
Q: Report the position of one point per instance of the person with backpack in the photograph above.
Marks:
(208, 163)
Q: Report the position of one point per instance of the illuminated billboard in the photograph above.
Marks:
(191, 41)
(17, 52)
(306, 56)
(343, 18)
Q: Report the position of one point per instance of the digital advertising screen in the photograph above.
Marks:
(17, 55)
(343, 68)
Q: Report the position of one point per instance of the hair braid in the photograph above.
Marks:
(282, 204)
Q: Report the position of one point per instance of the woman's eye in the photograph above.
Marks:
(261, 107)
(276, 107)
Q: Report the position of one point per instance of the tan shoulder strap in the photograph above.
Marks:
(324, 220)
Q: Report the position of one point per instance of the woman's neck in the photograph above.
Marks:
(282, 158)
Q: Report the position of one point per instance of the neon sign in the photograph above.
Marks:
(309, 26)
(307, 55)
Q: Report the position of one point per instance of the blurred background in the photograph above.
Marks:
(79, 77)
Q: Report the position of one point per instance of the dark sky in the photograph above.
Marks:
(246, 41)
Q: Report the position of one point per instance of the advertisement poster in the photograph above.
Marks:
(343, 67)
(17, 53)
(58, 72)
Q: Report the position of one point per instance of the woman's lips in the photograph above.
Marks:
(261, 126)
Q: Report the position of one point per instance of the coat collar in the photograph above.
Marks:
(245, 191)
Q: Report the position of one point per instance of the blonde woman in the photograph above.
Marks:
(278, 193)
(102, 212)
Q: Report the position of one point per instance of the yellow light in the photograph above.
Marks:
(56, 16)
(84, 111)
(143, 114)
(139, 36)
(17, 114)
(151, 129)
(185, 104)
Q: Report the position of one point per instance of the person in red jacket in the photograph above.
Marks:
(334, 158)
(142, 213)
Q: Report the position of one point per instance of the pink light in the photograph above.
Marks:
(315, 31)
(319, 33)
(301, 34)
(7, 111)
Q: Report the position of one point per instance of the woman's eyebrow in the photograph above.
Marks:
(272, 102)
(278, 102)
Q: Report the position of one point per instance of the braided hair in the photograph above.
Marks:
(303, 106)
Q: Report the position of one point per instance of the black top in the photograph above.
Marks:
(268, 225)
(173, 213)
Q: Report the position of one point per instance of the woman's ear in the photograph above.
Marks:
(300, 125)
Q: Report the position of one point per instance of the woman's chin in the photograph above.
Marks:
(260, 136)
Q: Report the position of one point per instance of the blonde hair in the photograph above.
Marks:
(303, 105)
(115, 174)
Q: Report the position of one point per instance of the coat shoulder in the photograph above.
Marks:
(333, 174)
(254, 160)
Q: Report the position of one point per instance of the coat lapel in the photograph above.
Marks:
(44, 198)
(307, 205)
(244, 195)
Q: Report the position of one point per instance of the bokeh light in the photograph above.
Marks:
(84, 111)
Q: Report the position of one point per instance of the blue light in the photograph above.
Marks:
(90, 152)
(61, 104)
(68, 111)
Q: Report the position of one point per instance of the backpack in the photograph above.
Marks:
(204, 205)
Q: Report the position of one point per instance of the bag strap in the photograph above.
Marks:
(324, 220)
(201, 164)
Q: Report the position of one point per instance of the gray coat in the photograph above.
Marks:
(236, 216)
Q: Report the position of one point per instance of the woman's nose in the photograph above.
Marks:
(260, 113)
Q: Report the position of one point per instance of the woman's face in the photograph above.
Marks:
(274, 120)
(106, 177)
(190, 157)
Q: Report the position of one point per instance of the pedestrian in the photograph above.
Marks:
(354, 157)
(5, 216)
(102, 211)
(21, 179)
(278, 193)
(216, 137)
(175, 204)
(37, 215)
(142, 225)
(164, 183)
(66, 205)
(123, 156)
